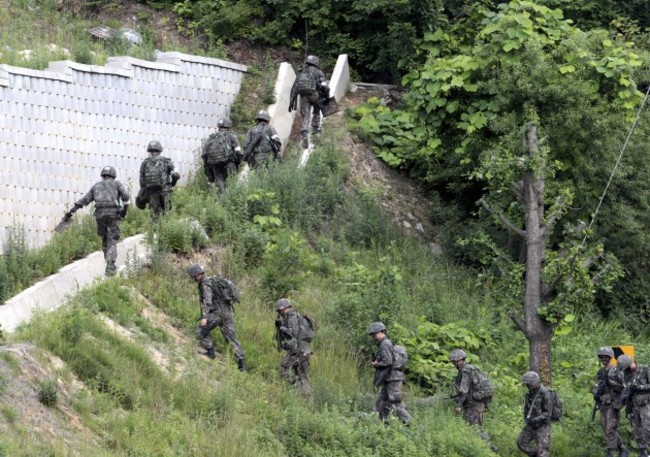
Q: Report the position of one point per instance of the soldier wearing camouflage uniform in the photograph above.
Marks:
(216, 311)
(311, 101)
(535, 438)
(292, 328)
(472, 410)
(634, 379)
(111, 205)
(262, 142)
(218, 173)
(389, 380)
(604, 396)
(159, 199)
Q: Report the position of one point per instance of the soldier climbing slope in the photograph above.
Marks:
(157, 178)
(535, 438)
(311, 86)
(221, 154)
(605, 396)
(262, 142)
(111, 205)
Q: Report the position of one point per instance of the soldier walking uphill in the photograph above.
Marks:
(388, 379)
(157, 177)
(535, 438)
(605, 396)
(262, 142)
(295, 333)
(111, 205)
(217, 296)
(311, 86)
(633, 381)
(221, 154)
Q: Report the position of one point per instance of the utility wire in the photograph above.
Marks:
(618, 161)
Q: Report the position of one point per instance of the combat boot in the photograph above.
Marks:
(622, 451)
(610, 452)
(111, 269)
(240, 364)
(643, 453)
(305, 142)
(209, 353)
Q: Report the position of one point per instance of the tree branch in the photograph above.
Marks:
(519, 323)
(504, 220)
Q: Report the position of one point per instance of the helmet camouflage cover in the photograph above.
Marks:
(456, 355)
(224, 122)
(606, 351)
(624, 362)
(282, 303)
(376, 327)
(263, 116)
(195, 270)
(154, 146)
(530, 377)
(108, 171)
(312, 60)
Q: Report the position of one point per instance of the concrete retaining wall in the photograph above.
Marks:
(60, 126)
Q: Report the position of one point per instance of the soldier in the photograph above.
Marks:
(111, 205)
(262, 141)
(635, 381)
(310, 84)
(217, 296)
(221, 154)
(296, 332)
(604, 397)
(157, 177)
(535, 438)
(388, 379)
(472, 410)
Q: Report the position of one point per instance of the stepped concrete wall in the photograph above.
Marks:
(60, 126)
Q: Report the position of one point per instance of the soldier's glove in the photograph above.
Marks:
(73, 210)
(69, 214)
(278, 323)
(530, 422)
(124, 211)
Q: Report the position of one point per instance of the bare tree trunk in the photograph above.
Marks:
(537, 331)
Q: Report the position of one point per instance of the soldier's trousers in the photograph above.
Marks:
(109, 229)
(218, 174)
(390, 397)
(610, 419)
(473, 413)
(307, 102)
(160, 203)
(535, 441)
(227, 325)
(640, 420)
(294, 368)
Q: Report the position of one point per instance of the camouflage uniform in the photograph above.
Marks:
(218, 313)
(309, 101)
(472, 410)
(160, 201)
(259, 145)
(610, 416)
(390, 395)
(218, 173)
(109, 196)
(535, 438)
(637, 406)
(295, 365)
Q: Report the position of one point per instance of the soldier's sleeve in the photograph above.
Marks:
(250, 142)
(89, 197)
(142, 172)
(385, 356)
(123, 193)
(205, 292)
(170, 165)
(545, 406)
(614, 380)
(291, 326)
(234, 143)
(463, 386)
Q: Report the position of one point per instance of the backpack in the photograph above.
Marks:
(307, 329)
(400, 357)
(226, 289)
(305, 83)
(557, 407)
(481, 386)
(217, 150)
(155, 173)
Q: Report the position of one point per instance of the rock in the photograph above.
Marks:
(435, 248)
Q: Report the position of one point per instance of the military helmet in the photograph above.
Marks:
(624, 362)
(263, 116)
(456, 355)
(312, 60)
(282, 303)
(224, 122)
(376, 327)
(195, 270)
(606, 351)
(108, 171)
(154, 146)
(530, 377)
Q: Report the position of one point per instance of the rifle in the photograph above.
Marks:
(278, 334)
(595, 408)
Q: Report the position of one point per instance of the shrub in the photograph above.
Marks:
(48, 393)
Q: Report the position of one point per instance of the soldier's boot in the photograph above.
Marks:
(111, 269)
(304, 142)
(209, 353)
(610, 453)
(315, 131)
(622, 451)
(643, 453)
(240, 364)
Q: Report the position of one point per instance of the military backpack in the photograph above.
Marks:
(217, 150)
(155, 173)
(307, 329)
(306, 83)
(225, 289)
(481, 386)
(556, 406)
(400, 357)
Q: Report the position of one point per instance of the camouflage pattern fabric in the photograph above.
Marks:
(535, 438)
(390, 398)
(258, 149)
(218, 314)
(307, 103)
(218, 174)
(472, 410)
(160, 201)
(109, 230)
(610, 417)
(295, 365)
(639, 410)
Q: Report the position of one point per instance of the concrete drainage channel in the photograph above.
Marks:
(53, 291)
